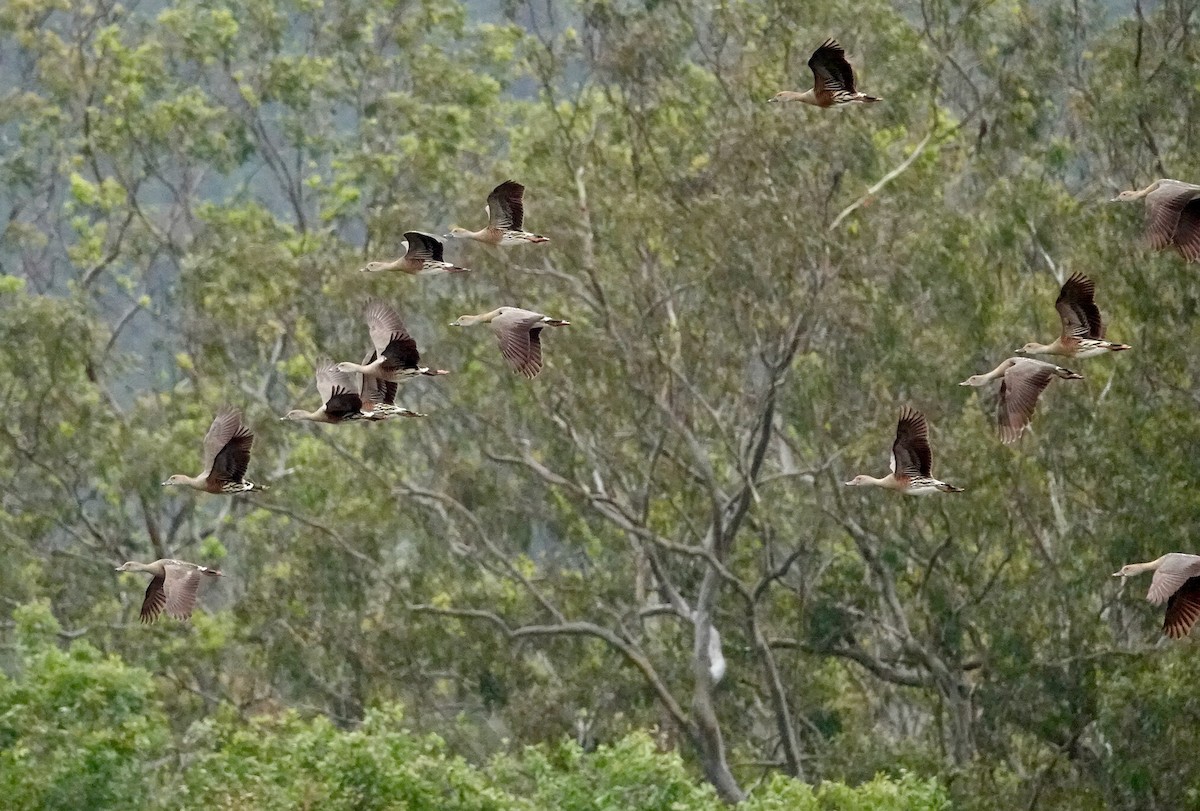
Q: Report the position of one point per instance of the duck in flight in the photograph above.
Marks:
(519, 333)
(1176, 582)
(173, 587)
(1082, 327)
(395, 357)
(422, 257)
(1172, 215)
(1023, 381)
(833, 81)
(340, 398)
(506, 219)
(226, 456)
(379, 395)
(912, 461)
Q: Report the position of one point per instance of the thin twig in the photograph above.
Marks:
(886, 179)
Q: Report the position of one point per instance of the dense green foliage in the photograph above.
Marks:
(80, 730)
(187, 188)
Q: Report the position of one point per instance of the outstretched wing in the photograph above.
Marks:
(911, 455)
(390, 337)
(520, 342)
(1187, 231)
(331, 381)
(831, 72)
(154, 601)
(1077, 308)
(1183, 609)
(338, 390)
(182, 585)
(423, 247)
(1176, 570)
(231, 463)
(224, 426)
(506, 206)
(1023, 383)
(1165, 214)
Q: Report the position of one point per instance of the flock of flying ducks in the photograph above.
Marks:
(1172, 221)
(1022, 380)
(352, 391)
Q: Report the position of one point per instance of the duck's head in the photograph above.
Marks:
(787, 95)
(482, 318)
(175, 481)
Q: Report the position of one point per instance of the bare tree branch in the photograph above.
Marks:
(883, 181)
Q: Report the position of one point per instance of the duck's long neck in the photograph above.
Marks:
(300, 415)
(999, 370)
(370, 368)
(195, 482)
(874, 482)
(1149, 566)
(482, 318)
(1041, 349)
(1139, 195)
(807, 97)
